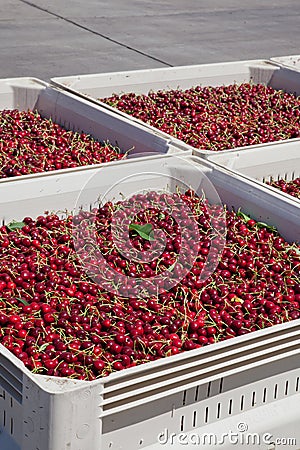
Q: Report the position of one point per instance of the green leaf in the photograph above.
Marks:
(265, 225)
(15, 225)
(243, 215)
(172, 266)
(43, 347)
(259, 224)
(145, 231)
(295, 249)
(23, 301)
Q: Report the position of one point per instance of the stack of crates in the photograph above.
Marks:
(219, 396)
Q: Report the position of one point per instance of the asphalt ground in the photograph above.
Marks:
(45, 39)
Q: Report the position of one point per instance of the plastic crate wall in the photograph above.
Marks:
(291, 61)
(190, 410)
(96, 86)
(274, 162)
(196, 408)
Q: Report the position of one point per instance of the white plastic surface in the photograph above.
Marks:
(291, 61)
(272, 426)
(96, 86)
(80, 115)
(274, 162)
(128, 410)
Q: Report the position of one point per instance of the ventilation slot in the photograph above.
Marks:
(184, 398)
(275, 391)
(11, 426)
(182, 423)
(208, 389)
(230, 407)
(253, 402)
(218, 410)
(289, 177)
(264, 395)
(196, 393)
(242, 402)
(194, 418)
(221, 385)
(286, 390)
(206, 415)
(297, 384)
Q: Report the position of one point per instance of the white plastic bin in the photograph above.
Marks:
(271, 426)
(280, 160)
(291, 61)
(132, 408)
(79, 115)
(96, 86)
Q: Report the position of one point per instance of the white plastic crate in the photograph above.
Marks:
(186, 392)
(291, 61)
(272, 426)
(280, 160)
(96, 86)
(79, 115)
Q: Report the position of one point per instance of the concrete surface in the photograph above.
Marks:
(44, 38)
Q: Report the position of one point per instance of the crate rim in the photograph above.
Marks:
(41, 380)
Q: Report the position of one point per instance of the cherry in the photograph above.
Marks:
(59, 322)
(32, 144)
(215, 118)
(290, 187)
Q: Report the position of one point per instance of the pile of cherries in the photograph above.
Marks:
(289, 187)
(59, 321)
(31, 144)
(217, 118)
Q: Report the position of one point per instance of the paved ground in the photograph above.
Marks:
(45, 38)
